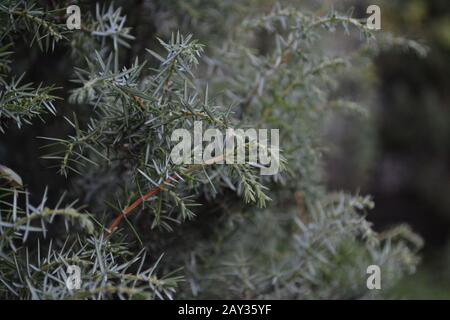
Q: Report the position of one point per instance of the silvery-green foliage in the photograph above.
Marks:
(26, 22)
(35, 267)
(21, 102)
(288, 85)
(264, 71)
(29, 19)
(321, 256)
(134, 112)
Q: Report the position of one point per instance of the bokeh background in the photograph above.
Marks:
(400, 153)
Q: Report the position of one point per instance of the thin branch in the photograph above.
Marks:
(128, 210)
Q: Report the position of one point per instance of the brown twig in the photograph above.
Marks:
(128, 210)
(301, 207)
(116, 222)
(139, 101)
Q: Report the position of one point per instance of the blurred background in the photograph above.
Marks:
(400, 153)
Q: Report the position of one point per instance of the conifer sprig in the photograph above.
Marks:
(306, 243)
